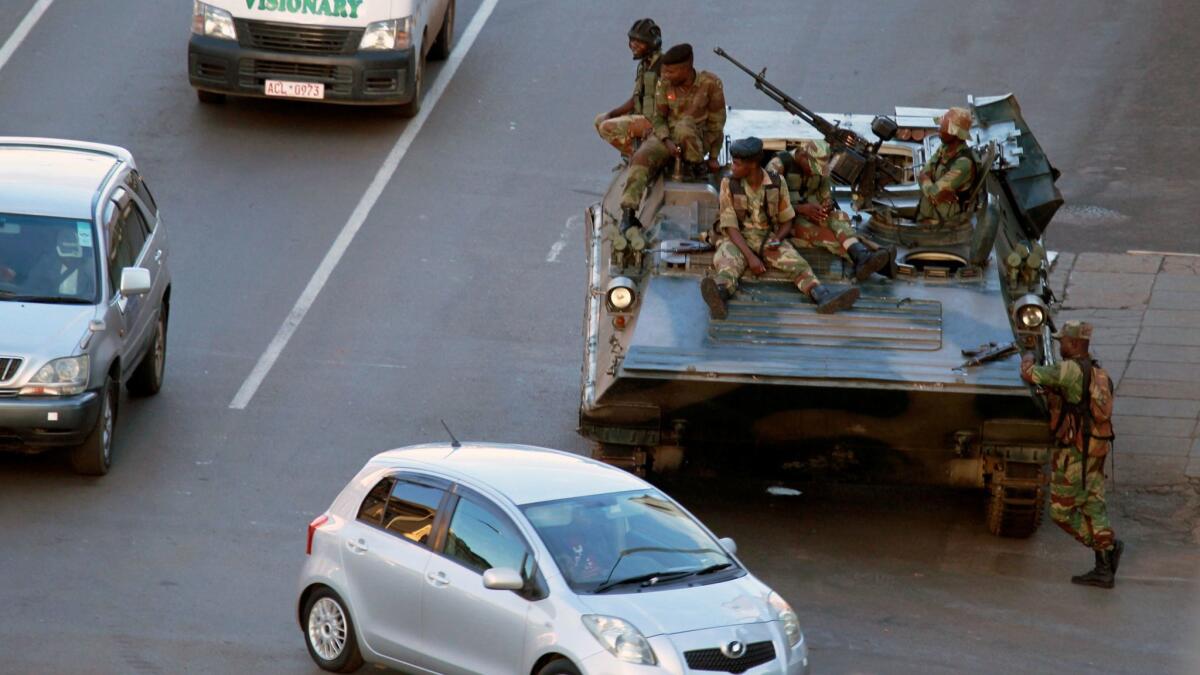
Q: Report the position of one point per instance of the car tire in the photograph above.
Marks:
(148, 378)
(209, 97)
(559, 667)
(445, 37)
(93, 457)
(409, 110)
(329, 633)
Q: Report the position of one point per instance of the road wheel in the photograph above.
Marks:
(558, 667)
(410, 109)
(1015, 510)
(445, 37)
(94, 456)
(148, 377)
(209, 97)
(329, 633)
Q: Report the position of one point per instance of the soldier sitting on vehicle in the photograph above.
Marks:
(755, 222)
(948, 177)
(819, 222)
(629, 123)
(689, 123)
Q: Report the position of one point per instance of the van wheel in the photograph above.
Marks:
(148, 378)
(410, 109)
(445, 37)
(94, 456)
(209, 97)
(329, 633)
(559, 667)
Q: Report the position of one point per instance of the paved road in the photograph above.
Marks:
(452, 304)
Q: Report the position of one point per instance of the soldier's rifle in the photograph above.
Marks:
(854, 160)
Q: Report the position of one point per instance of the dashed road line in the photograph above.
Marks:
(23, 29)
(557, 248)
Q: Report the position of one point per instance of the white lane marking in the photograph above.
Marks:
(361, 211)
(18, 36)
(1169, 253)
(559, 245)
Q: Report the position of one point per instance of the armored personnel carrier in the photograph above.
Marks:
(919, 382)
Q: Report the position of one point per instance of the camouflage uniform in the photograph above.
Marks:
(1076, 492)
(692, 116)
(837, 235)
(622, 132)
(757, 213)
(950, 172)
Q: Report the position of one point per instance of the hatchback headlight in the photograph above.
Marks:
(61, 377)
(392, 34)
(787, 616)
(620, 638)
(212, 22)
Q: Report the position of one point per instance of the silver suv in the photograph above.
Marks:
(85, 293)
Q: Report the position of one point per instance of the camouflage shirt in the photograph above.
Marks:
(702, 103)
(1065, 384)
(746, 208)
(815, 189)
(948, 171)
(1065, 378)
(645, 84)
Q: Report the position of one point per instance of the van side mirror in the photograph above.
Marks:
(729, 545)
(135, 281)
(503, 579)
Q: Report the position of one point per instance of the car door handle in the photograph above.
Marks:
(158, 256)
(438, 579)
(357, 547)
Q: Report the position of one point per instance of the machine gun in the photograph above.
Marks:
(853, 161)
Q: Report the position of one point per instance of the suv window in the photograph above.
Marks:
(371, 511)
(126, 238)
(411, 510)
(139, 186)
(481, 539)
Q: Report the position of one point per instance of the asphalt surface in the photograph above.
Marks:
(460, 300)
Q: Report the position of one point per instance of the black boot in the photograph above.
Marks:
(830, 301)
(866, 261)
(1118, 547)
(715, 296)
(1101, 576)
(628, 219)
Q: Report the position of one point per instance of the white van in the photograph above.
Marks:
(340, 51)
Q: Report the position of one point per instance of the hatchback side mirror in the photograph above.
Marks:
(135, 281)
(503, 579)
(729, 545)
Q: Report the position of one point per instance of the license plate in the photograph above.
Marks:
(294, 89)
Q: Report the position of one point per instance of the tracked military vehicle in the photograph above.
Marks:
(919, 382)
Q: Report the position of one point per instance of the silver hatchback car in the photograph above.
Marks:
(503, 559)
(85, 293)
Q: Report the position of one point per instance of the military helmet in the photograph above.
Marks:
(1080, 330)
(645, 30)
(956, 122)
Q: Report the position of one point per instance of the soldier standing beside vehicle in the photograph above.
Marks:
(818, 221)
(947, 178)
(627, 124)
(689, 122)
(1080, 397)
(756, 219)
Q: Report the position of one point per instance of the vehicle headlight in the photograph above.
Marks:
(621, 294)
(391, 34)
(60, 377)
(1030, 312)
(787, 616)
(621, 638)
(212, 22)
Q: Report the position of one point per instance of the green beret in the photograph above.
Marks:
(746, 148)
(681, 53)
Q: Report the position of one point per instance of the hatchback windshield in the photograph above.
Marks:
(625, 540)
(47, 259)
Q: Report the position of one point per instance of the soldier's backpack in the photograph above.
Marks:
(1091, 418)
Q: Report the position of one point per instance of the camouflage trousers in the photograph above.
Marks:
(928, 212)
(836, 235)
(1077, 498)
(729, 264)
(622, 132)
(652, 155)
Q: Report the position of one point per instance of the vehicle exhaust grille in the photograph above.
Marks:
(294, 39)
(8, 368)
(713, 660)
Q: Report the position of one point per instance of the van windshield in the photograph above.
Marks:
(50, 260)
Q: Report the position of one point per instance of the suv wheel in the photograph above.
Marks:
(445, 37)
(94, 456)
(148, 378)
(329, 633)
